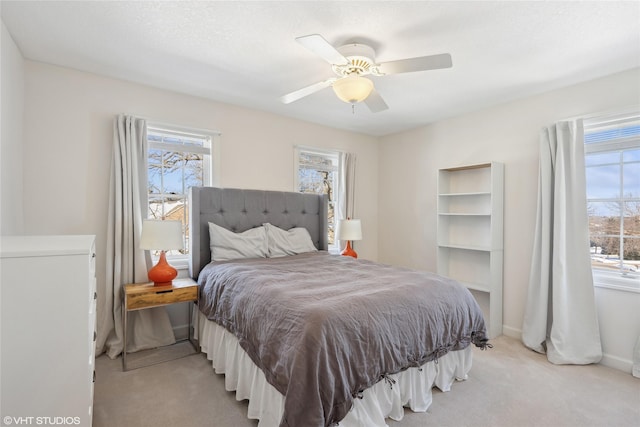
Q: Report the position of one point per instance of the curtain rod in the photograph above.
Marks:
(174, 126)
(319, 150)
(607, 113)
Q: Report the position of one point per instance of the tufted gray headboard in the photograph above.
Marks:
(239, 210)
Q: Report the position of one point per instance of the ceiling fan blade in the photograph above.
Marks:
(375, 102)
(318, 45)
(422, 63)
(305, 91)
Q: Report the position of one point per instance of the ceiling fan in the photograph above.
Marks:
(353, 61)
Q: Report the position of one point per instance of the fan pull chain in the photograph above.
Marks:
(353, 109)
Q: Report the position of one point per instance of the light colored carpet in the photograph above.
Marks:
(509, 385)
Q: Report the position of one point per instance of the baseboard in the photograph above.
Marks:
(616, 362)
(512, 332)
(181, 332)
(608, 360)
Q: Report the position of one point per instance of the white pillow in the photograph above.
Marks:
(292, 242)
(226, 245)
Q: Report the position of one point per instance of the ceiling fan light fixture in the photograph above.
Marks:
(353, 88)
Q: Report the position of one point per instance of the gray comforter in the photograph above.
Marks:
(323, 328)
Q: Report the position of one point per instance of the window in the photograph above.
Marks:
(177, 160)
(317, 171)
(612, 160)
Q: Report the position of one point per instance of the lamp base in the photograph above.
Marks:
(348, 251)
(162, 274)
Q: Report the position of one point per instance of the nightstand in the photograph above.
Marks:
(140, 296)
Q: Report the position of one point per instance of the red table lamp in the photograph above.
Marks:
(349, 229)
(161, 235)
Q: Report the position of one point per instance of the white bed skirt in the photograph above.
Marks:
(412, 387)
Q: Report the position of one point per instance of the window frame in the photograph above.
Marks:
(337, 188)
(609, 278)
(211, 166)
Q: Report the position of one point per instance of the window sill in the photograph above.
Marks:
(608, 280)
(617, 287)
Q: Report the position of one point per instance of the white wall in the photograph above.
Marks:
(67, 148)
(11, 120)
(506, 133)
(68, 141)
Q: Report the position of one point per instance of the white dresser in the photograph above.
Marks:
(48, 321)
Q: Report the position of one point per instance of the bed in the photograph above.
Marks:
(313, 339)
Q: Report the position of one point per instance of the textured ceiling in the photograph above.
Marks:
(244, 53)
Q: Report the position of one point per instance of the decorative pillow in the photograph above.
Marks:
(226, 245)
(292, 242)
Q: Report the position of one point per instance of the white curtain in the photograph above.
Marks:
(126, 262)
(560, 314)
(348, 185)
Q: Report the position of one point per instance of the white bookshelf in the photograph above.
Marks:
(470, 233)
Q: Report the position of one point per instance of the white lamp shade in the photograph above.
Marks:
(353, 88)
(349, 229)
(161, 235)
